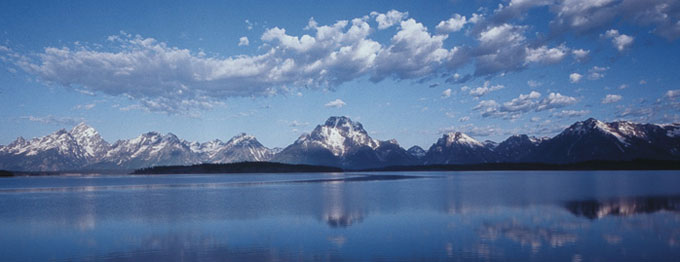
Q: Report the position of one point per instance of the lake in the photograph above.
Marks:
(396, 216)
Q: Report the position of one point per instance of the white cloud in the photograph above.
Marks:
(243, 41)
(85, 106)
(502, 48)
(523, 103)
(672, 94)
(485, 89)
(597, 72)
(501, 35)
(575, 77)
(337, 103)
(580, 54)
(454, 24)
(446, 93)
(609, 98)
(555, 100)
(464, 119)
(571, 113)
(413, 52)
(487, 108)
(388, 19)
(620, 41)
(534, 83)
(161, 77)
(582, 15)
(546, 55)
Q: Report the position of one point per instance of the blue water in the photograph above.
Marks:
(402, 216)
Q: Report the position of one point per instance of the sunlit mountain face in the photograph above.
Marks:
(341, 142)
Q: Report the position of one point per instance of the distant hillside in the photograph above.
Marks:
(241, 167)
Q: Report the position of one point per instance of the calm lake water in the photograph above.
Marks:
(402, 216)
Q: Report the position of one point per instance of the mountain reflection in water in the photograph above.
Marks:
(400, 216)
(595, 209)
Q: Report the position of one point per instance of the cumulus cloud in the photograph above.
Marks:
(580, 54)
(446, 93)
(243, 41)
(389, 19)
(546, 55)
(575, 77)
(610, 98)
(454, 24)
(523, 103)
(672, 94)
(502, 48)
(337, 103)
(485, 89)
(582, 15)
(413, 52)
(555, 100)
(160, 77)
(620, 41)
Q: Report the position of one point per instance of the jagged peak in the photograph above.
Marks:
(82, 129)
(241, 138)
(460, 138)
(343, 121)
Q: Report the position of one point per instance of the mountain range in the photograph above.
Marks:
(341, 142)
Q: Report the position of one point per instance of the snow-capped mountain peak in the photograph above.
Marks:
(339, 135)
(241, 138)
(90, 141)
(623, 131)
(461, 139)
(416, 151)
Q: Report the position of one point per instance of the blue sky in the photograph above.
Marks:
(408, 70)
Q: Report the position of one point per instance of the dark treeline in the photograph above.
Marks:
(272, 167)
(241, 167)
(637, 164)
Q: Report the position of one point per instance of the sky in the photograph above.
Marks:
(407, 70)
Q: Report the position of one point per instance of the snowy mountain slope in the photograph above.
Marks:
(240, 148)
(344, 143)
(595, 140)
(458, 148)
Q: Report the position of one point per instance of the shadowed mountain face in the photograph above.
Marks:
(458, 148)
(593, 209)
(341, 142)
(596, 140)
